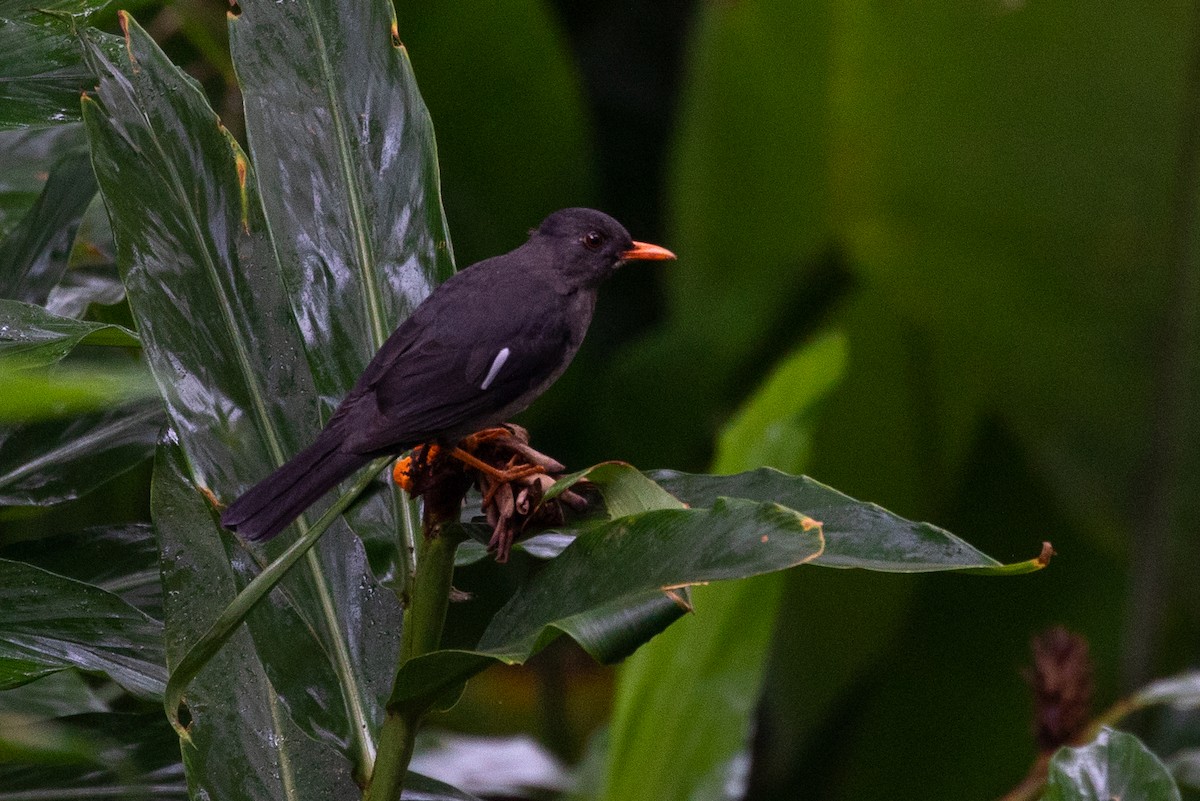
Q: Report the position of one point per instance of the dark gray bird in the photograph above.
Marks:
(479, 349)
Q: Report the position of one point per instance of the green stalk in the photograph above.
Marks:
(424, 619)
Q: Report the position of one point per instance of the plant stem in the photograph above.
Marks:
(423, 621)
(396, 739)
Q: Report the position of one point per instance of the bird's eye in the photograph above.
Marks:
(593, 240)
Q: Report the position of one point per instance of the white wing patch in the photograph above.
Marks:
(497, 363)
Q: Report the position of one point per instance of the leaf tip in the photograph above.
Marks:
(124, 19)
(1048, 551)
(185, 736)
(679, 600)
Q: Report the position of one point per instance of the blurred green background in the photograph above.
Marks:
(994, 202)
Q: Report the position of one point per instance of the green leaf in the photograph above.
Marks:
(119, 559)
(682, 717)
(241, 742)
(49, 623)
(76, 8)
(34, 254)
(43, 71)
(49, 462)
(772, 427)
(32, 395)
(1116, 765)
(349, 182)
(217, 330)
(32, 336)
(600, 590)
(857, 533)
(248, 599)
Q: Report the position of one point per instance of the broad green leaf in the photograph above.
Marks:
(49, 623)
(242, 743)
(48, 462)
(202, 650)
(119, 559)
(625, 490)
(599, 591)
(773, 427)
(857, 533)
(216, 326)
(86, 286)
(684, 703)
(348, 178)
(1116, 765)
(32, 395)
(34, 254)
(80, 9)
(43, 71)
(32, 336)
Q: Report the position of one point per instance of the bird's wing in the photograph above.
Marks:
(440, 384)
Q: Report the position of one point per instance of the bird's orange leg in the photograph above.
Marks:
(511, 474)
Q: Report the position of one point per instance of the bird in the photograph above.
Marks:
(481, 347)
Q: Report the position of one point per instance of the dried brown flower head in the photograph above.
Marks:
(1062, 684)
(510, 475)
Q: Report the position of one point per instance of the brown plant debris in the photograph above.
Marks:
(510, 475)
(1062, 684)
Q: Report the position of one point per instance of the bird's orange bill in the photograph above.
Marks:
(644, 251)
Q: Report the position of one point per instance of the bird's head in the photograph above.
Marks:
(588, 246)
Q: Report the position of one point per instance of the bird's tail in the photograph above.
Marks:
(270, 505)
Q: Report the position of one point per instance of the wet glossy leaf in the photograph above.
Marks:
(76, 8)
(121, 559)
(349, 183)
(217, 329)
(49, 623)
(49, 462)
(33, 336)
(857, 533)
(1116, 765)
(243, 744)
(44, 71)
(600, 590)
(423, 788)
